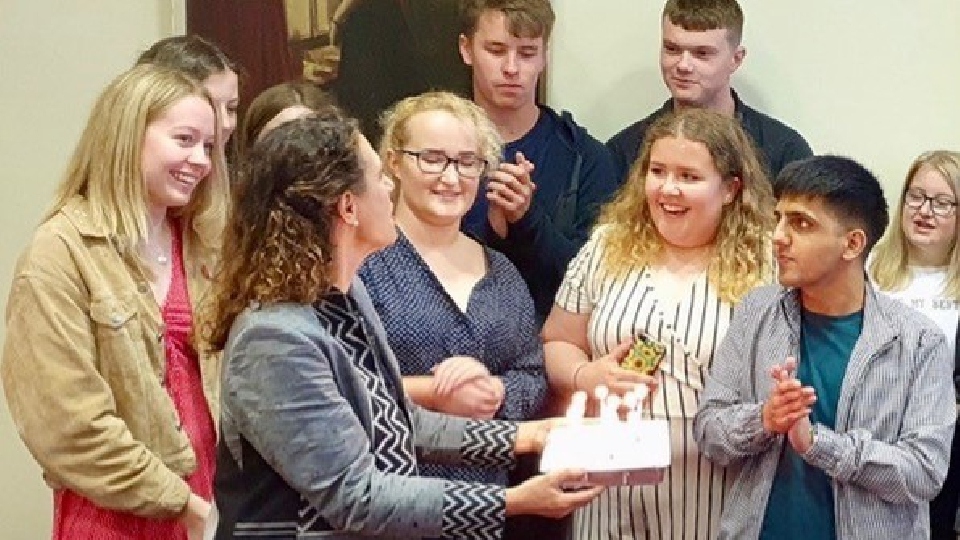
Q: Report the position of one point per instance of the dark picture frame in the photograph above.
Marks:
(366, 53)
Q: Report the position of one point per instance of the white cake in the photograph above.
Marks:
(611, 451)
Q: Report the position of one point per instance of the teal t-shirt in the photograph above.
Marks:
(801, 501)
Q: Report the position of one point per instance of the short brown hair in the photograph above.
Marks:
(525, 18)
(701, 15)
(190, 54)
(272, 101)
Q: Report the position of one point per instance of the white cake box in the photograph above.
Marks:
(612, 453)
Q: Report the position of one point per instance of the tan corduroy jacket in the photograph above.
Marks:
(83, 369)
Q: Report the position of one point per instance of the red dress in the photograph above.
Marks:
(75, 517)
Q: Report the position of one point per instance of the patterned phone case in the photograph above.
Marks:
(645, 355)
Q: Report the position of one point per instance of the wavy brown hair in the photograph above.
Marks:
(741, 258)
(271, 102)
(277, 244)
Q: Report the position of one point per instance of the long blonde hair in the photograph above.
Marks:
(890, 264)
(741, 258)
(106, 167)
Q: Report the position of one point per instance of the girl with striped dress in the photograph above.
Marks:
(685, 238)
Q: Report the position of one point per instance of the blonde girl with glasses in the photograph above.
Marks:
(457, 313)
(919, 263)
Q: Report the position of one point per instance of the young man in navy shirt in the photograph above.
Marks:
(540, 203)
(699, 52)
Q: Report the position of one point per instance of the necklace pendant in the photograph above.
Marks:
(162, 259)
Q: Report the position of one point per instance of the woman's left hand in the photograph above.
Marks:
(194, 516)
(455, 371)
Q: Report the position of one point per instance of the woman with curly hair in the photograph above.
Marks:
(318, 436)
(684, 239)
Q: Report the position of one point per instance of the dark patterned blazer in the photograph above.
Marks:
(302, 450)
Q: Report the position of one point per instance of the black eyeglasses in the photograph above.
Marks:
(941, 206)
(435, 162)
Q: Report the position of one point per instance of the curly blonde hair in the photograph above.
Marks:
(396, 134)
(741, 258)
(889, 266)
(280, 226)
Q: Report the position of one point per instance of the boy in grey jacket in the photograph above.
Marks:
(835, 402)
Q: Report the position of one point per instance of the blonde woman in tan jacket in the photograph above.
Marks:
(99, 368)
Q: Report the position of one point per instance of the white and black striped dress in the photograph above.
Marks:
(687, 504)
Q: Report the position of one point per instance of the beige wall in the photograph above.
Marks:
(881, 89)
(876, 80)
(55, 57)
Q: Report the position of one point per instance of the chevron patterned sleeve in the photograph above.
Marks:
(473, 511)
(489, 443)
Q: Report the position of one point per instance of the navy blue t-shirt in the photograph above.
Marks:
(801, 500)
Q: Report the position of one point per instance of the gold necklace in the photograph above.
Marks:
(156, 250)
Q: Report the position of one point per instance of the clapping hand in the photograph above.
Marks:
(789, 402)
(510, 189)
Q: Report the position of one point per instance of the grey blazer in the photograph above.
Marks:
(296, 461)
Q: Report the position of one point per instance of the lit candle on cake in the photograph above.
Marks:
(578, 407)
(609, 409)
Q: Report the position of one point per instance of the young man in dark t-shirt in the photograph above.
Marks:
(540, 204)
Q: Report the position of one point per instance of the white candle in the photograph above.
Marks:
(601, 392)
(641, 391)
(630, 400)
(608, 410)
